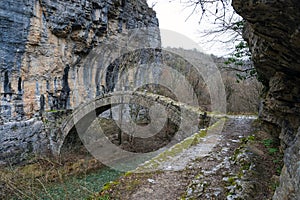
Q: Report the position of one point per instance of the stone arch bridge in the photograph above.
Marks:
(184, 116)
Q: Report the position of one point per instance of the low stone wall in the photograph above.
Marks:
(19, 139)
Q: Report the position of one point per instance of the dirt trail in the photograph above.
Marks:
(219, 168)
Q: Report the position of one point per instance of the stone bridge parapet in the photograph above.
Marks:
(85, 114)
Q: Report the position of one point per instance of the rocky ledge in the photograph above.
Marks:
(272, 31)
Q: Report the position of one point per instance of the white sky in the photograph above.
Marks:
(176, 16)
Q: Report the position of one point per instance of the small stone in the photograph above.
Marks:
(151, 180)
(189, 192)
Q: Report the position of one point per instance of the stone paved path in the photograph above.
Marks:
(204, 166)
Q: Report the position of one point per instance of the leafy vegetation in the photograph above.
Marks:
(240, 62)
(269, 143)
(273, 150)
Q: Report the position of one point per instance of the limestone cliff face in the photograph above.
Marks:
(44, 45)
(45, 42)
(273, 33)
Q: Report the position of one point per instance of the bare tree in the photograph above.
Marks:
(227, 28)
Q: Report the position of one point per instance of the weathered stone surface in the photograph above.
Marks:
(19, 139)
(290, 176)
(52, 42)
(15, 19)
(272, 31)
(180, 114)
(44, 49)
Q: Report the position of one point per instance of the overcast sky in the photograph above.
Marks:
(176, 16)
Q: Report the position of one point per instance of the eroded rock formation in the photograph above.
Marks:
(44, 45)
(273, 33)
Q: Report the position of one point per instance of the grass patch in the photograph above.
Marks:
(51, 179)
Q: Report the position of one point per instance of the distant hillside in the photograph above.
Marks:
(241, 96)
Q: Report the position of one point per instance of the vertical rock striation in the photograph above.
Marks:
(273, 33)
(44, 45)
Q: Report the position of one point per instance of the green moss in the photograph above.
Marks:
(199, 176)
(272, 150)
(132, 184)
(237, 151)
(54, 111)
(267, 142)
(231, 181)
(178, 148)
(251, 138)
(274, 185)
(175, 150)
(240, 174)
(245, 140)
(128, 173)
(109, 185)
(245, 166)
(197, 138)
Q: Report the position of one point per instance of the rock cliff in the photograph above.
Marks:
(272, 31)
(44, 45)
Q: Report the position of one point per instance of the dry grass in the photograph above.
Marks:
(35, 177)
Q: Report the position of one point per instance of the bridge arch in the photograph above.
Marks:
(82, 117)
(102, 67)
